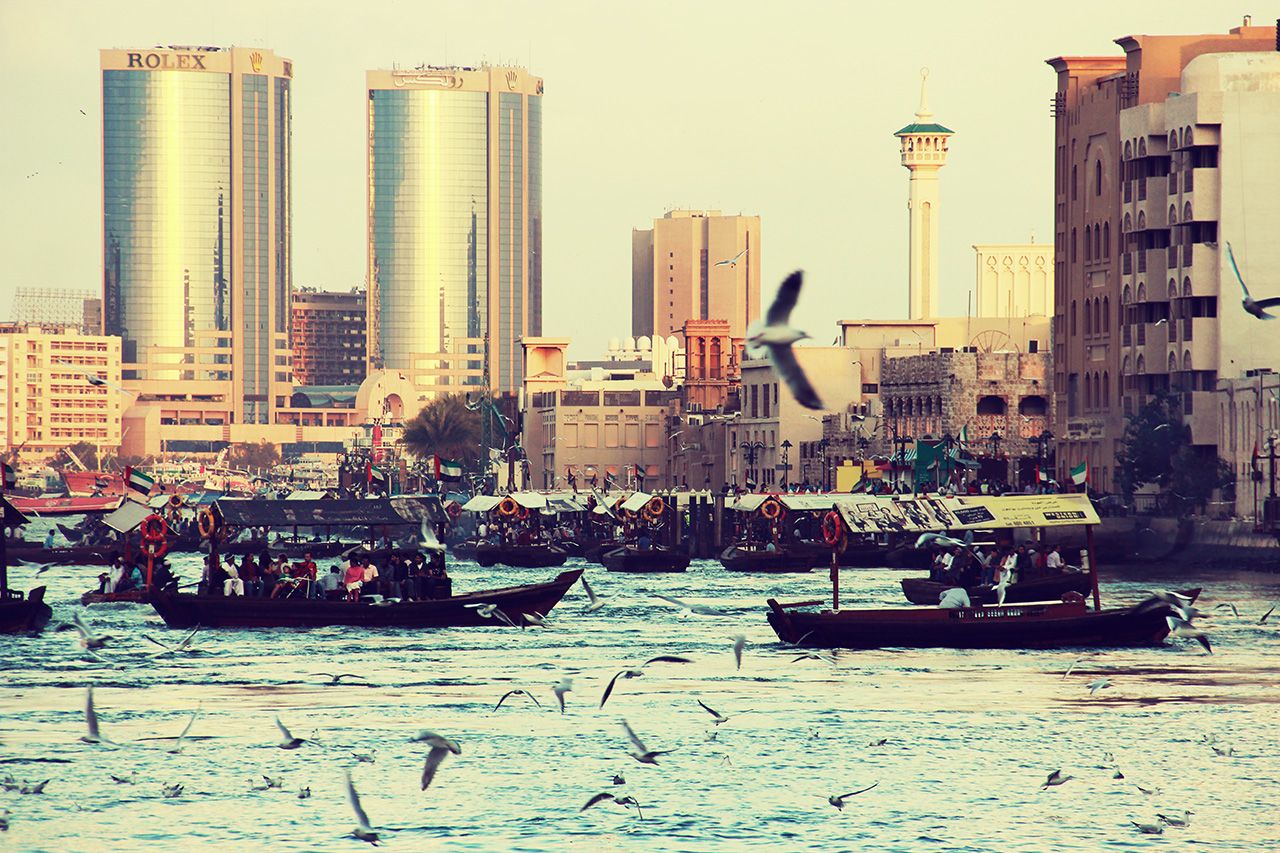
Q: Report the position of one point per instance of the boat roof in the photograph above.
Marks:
(636, 501)
(13, 516)
(252, 512)
(127, 517)
(482, 503)
(529, 500)
(921, 513)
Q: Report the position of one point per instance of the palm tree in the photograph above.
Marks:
(446, 427)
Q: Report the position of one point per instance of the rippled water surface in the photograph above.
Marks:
(968, 736)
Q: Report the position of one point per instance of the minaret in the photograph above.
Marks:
(924, 152)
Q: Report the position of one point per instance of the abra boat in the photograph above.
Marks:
(925, 591)
(133, 596)
(75, 555)
(19, 613)
(656, 559)
(180, 610)
(738, 559)
(537, 556)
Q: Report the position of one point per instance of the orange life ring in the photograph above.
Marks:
(154, 528)
(175, 502)
(832, 528)
(771, 509)
(155, 548)
(208, 523)
(508, 507)
(454, 510)
(655, 508)
(522, 513)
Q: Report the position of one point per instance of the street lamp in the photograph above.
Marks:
(786, 463)
(1041, 443)
(750, 449)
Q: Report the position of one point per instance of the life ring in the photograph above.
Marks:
(832, 528)
(655, 508)
(154, 528)
(508, 507)
(208, 523)
(155, 548)
(175, 502)
(522, 513)
(454, 510)
(771, 509)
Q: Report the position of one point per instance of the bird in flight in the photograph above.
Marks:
(363, 830)
(517, 692)
(777, 336)
(440, 747)
(289, 741)
(642, 754)
(838, 801)
(1055, 778)
(94, 379)
(596, 602)
(1256, 307)
(731, 262)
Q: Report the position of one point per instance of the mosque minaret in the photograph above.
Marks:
(924, 151)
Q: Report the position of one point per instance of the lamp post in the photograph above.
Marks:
(1041, 443)
(900, 442)
(948, 443)
(786, 463)
(750, 449)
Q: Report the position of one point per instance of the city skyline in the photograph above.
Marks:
(679, 138)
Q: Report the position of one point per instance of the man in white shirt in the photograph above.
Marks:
(233, 585)
(1053, 562)
(954, 598)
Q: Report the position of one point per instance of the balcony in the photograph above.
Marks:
(1200, 413)
(1200, 263)
(1204, 204)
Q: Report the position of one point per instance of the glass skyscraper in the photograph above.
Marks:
(196, 162)
(455, 208)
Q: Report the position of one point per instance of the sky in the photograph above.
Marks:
(785, 110)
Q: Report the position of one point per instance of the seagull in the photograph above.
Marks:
(565, 686)
(40, 568)
(1223, 753)
(1161, 426)
(642, 754)
(304, 793)
(637, 672)
(510, 693)
(596, 601)
(814, 656)
(1099, 684)
(838, 801)
(537, 620)
(1163, 321)
(91, 721)
(731, 262)
(335, 678)
(1183, 821)
(1235, 611)
(1150, 792)
(488, 611)
(440, 747)
(363, 830)
(618, 779)
(1267, 615)
(124, 780)
(777, 337)
(719, 718)
(1183, 629)
(739, 643)
(1149, 828)
(182, 646)
(88, 639)
(699, 609)
(94, 379)
(1251, 305)
(621, 801)
(171, 791)
(268, 783)
(946, 541)
(177, 747)
(289, 742)
(364, 757)
(1055, 778)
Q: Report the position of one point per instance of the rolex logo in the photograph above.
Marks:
(255, 59)
(512, 79)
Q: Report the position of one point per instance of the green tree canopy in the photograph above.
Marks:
(1151, 439)
(446, 427)
(262, 455)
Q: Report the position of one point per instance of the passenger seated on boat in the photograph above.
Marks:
(1053, 560)
(371, 583)
(330, 585)
(954, 597)
(103, 580)
(1025, 566)
(233, 585)
(249, 574)
(270, 575)
(163, 577)
(353, 579)
(643, 542)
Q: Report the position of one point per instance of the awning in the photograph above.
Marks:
(748, 503)
(807, 502)
(248, 512)
(306, 495)
(636, 502)
(918, 514)
(419, 508)
(529, 500)
(555, 506)
(127, 517)
(481, 503)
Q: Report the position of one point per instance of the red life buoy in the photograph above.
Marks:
(155, 548)
(771, 509)
(454, 510)
(832, 528)
(508, 507)
(154, 528)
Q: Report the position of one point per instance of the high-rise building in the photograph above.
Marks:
(328, 332)
(455, 224)
(1092, 249)
(695, 265)
(46, 399)
(924, 144)
(196, 163)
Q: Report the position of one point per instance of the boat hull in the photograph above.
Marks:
(735, 559)
(20, 615)
(654, 560)
(520, 556)
(1037, 625)
(133, 596)
(215, 611)
(924, 591)
(76, 555)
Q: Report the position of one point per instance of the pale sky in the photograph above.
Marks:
(782, 109)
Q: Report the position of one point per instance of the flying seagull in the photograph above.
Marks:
(177, 747)
(1055, 778)
(777, 336)
(637, 672)
(289, 741)
(440, 747)
(731, 262)
(363, 830)
(621, 801)
(719, 718)
(1253, 306)
(511, 693)
(91, 721)
(596, 601)
(565, 686)
(699, 609)
(1267, 615)
(94, 379)
(1183, 629)
(838, 801)
(642, 754)
(1099, 684)
(335, 678)
(88, 639)
(182, 646)
(739, 643)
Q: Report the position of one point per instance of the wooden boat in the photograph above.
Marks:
(290, 549)
(594, 553)
(65, 505)
(134, 596)
(659, 559)
(1050, 588)
(1032, 625)
(538, 556)
(74, 555)
(737, 559)
(180, 610)
(20, 614)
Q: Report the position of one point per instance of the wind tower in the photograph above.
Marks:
(924, 151)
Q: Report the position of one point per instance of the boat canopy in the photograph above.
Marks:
(127, 517)
(529, 500)
(919, 513)
(557, 505)
(481, 503)
(419, 508)
(806, 502)
(13, 517)
(636, 502)
(749, 502)
(306, 495)
(248, 512)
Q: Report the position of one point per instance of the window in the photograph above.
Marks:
(1106, 239)
(1106, 388)
(1097, 177)
(1088, 247)
(1106, 314)
(1073, 183)
(991, 405)
(1073, 317)
(1088, 324)
(1073, 245)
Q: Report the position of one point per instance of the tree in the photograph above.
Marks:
(259, 456)
(1151, 440)
(1196, 476)
(446, 427)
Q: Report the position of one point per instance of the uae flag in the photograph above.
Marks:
(10, 476)
(447, 469)
(138, 481)
(1080, 473)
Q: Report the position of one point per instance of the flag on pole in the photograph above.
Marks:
(1080, 473)
(139, 481)
(11, 476)
(964, 435)
(446, 469)
(1041, 476)
(1254, 463)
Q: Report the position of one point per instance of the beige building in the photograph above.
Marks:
(455, 224)
(604, 423)
(1013, 280)
(197, 169)
(1248, 421)
(1206, 179)
(46, 399)
(695, 265)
